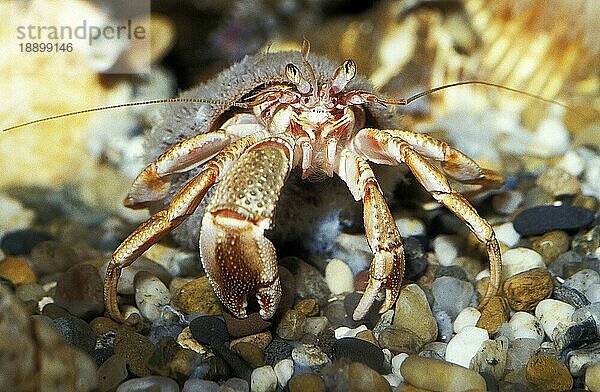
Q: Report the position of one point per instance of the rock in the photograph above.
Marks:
(592, 378)
(525, 326)
(34, 356)
(542, 219)
(234, 384)
(309, 281)
(519, 354)
(310, 356)
(431, 374)
(580, 359)
(351, 302)
(260, 340)
(397, 362)
(178, 261)
(307, 382)
(30, 292)
(345, 332)
(494, 315)
(16, 270)
(452, 295)
(126, 281)
(54, 311)
(209, 330)
(284, 370)
(465, 345)
(247, 326)
(277, 350)
(80, 291)
(491, 358)
(183, 363)
(358, 350)
(198, 297)
(111, 373)
(570, 295)
(309, 307)
(576, 335)
(76, 332)
(135, 349)
(339, 277)
(263, 380)
(518, 260)
(584, 281)
(149, 383)
(196, 384)
(21, 242)
(551, 312)
(548, 373)
(315, 325)
(525, 290)
(592, 310)
(558, 182)
(552, 244)
(186, 340)
(291, 325)
(468, 317)
(446, 248)
(364, 379)
(13, 215)
(453, 271)
(444, 323)
(435, 350)
(413, 313)
(400, 340)
(250, 353)
(506, 234)
(151, 295)
(49, 257)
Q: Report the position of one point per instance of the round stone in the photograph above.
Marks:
(309, 306)
(307, 382)
(358, 350)
(506, 234)
(76, 332)
(584, 281)
(339, 277)
(111, 373)
(261, 339)
(126, 281)
(196, 384)
(400, 340)
(519, 260)
(525, 326)
(291, 325)
(198, 297)
(552, 244)
(80, 291)
(315, 325)
(465, 345)
(431, 374)
(263, 379)
(284, 370)
(558, 182)
(310, 356)
(452, 295)
(151, 295)
(364, 379)
(592, 377)
(250, 353)
(277, 350)
(551, 312)
(209, 330)
(507, 202)
(491, 358)
(542, 219)
(468, 317)
(525, 290)
(446, 248)
(50, 257)
(548, 374)
(494, 315)
(21, 242)
(246, 326)
(413, 313)
(17, 270)
(135, 349)
(149, 383)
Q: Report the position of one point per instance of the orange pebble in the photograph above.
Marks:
(17, 270)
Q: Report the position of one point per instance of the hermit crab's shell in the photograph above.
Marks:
(185, 120)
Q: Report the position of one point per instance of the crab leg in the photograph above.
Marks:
(236, 256)
(381, 145)
(183, 204)
(387, 268)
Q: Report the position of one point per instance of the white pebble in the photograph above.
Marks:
(345, 332)
(507, 202)
(315, 325)
(263, 379)
(507, 234)
(397, 362)
(468, 317)
(339, 277)
(518, 260)
(591, 184)
(525, 325)
(583, 281)
(284, 370)
(13, 215)
(550, 139)
(550, 312)
(151, 295)
(445, 248)
(410, 227)
(593, 292)
(393, 379)
(149, 383)
(465, 345)
(572, 163)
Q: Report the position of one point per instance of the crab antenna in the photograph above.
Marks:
(121, 105)
(406, 101)
(313, 78)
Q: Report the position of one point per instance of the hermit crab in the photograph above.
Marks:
(220, 163)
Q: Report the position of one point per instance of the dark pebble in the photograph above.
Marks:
(309, 281)
(7, 283)
(563, 261)
(49, 257)
(164, 352)
(277, 350)
(239, 367)
(209, 330)
(244, 327)
(372, 316)
(336, 315)
(101, 354)
(79, 290)
(54, 311)
(576, 336)
(358, 350)
(570, 295)
(416, 261)
(76, 332)
(213, 368)
(451, 270)
(542, 219)
(326, 340)
(20, 242)
(288, 290)
(135, 349)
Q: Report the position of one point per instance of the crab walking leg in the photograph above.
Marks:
(236, 256)
(387, 268)
(183, 204)
(396, 150)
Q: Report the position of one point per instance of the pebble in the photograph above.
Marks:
(339, 277)
(186, 340)
(50, 257)
(250, 353)
(358, 350)
(550, 138)
(291, 325)
(30, 292)
(396, 362)
(13, 215)
(452, 295)
(284, 370)
(453, 271)
(519, 354)
(209, 330)
(465, 345)
(263, 379)
(76, 332)
(243, 327)
(196, 385)
(21, 242)
(572, 163)
(507, 202)
(592, 310)
(80, 291)
(111, 373)
(584, 281)
(135, 349)
(412, 312)
(592, 378)
(277, 350)
(570, 295)
(584, 357)
(542, 219)
(307, 382)
(494, 315)
(445, 248)
(309, 307)
(491, 358)
(261, 339)
(126, 281)
(549, 374)
(525, 290)
(400, 340)
(524, 325)
(507, 234)
(17, 270)
(519, 260)
(468, 317)
(309, 281)
(445, 327)
(198, 297)
(345, 332)
(351, 302)
(151, 295)
(178, 261)
(431, 374)
(234, 384)
(310, 356)
(149, 383)
(550, 312)
(558, 182)
(552, 244)
(315, 325)
(364, 379)
(567, 337)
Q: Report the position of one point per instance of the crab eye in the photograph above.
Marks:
(349, 69)
(293, 74)
(342, 76)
